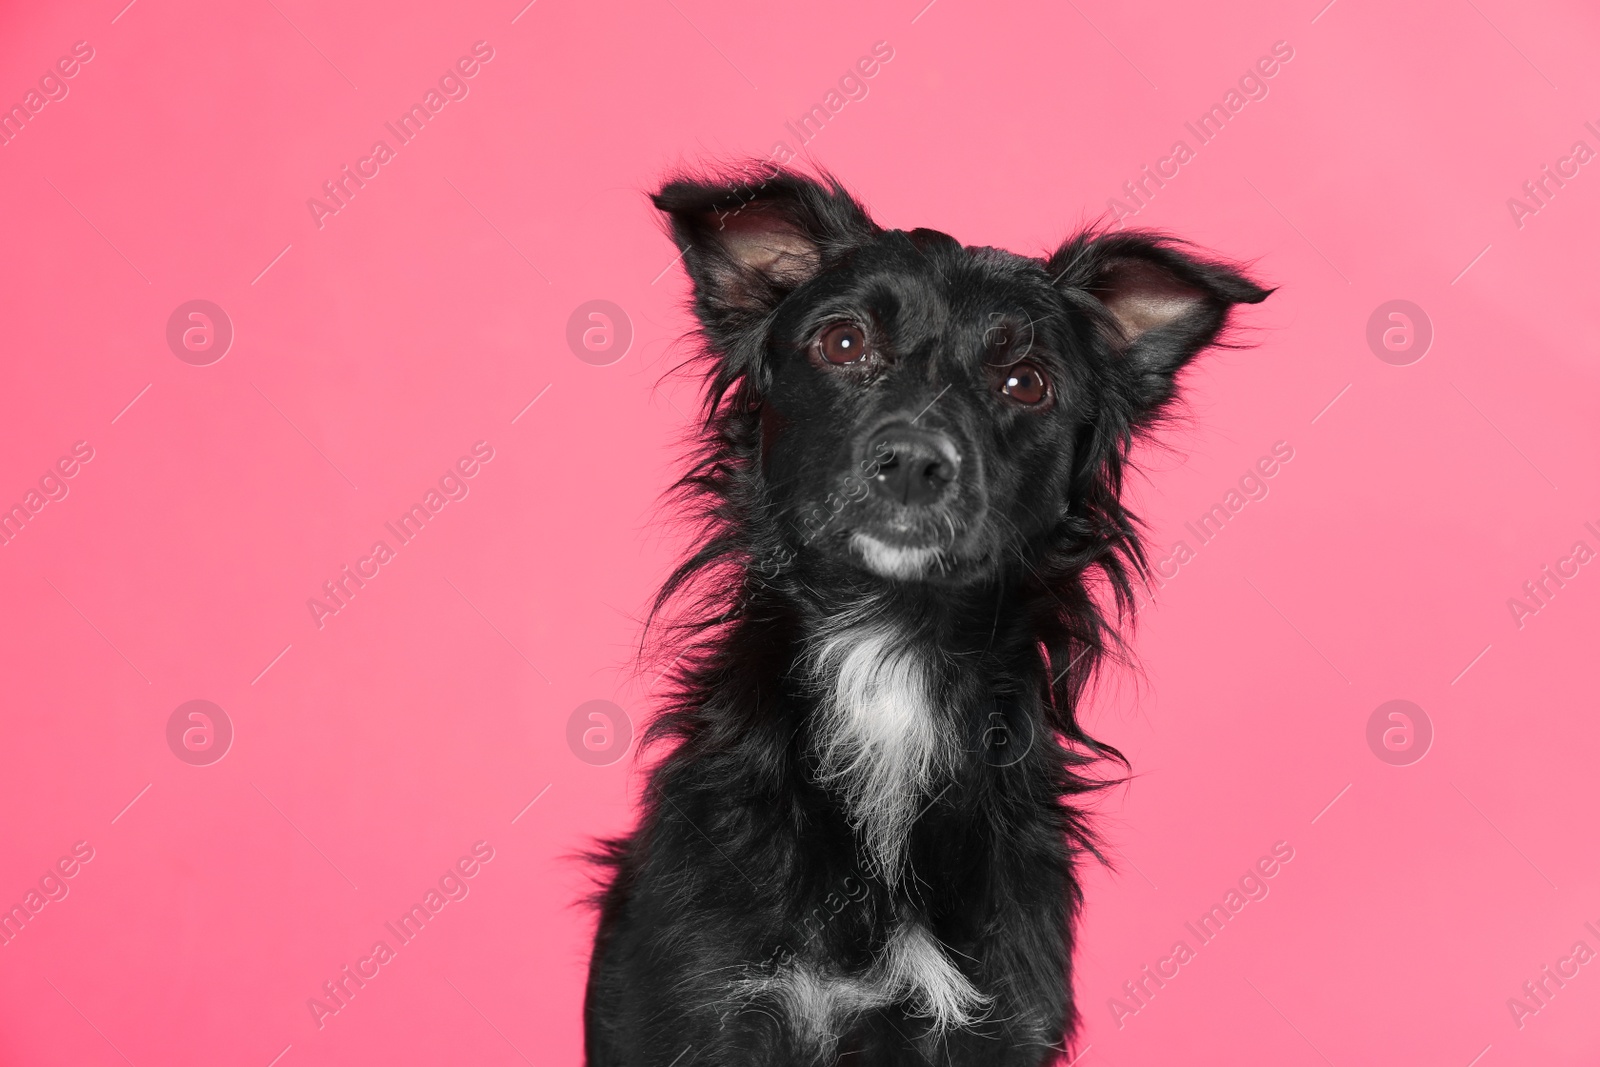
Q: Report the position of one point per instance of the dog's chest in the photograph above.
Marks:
(887, 750)
(819, 1001)
(881, 742)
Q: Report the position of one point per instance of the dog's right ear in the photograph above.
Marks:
(750, 241)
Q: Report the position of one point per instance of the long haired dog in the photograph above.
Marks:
(860, 848)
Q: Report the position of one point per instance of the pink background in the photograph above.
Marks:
(371, 353)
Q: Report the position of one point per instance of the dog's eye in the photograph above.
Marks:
(1025, 383)
(843, 342)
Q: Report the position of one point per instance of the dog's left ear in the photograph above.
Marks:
(749, 241)
(1157, 305)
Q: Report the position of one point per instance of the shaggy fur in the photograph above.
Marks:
(859, 847)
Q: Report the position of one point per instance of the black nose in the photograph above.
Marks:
(911, 466)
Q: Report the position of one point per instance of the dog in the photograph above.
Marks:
(860, 846)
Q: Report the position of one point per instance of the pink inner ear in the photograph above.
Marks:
(769, 245)
(1141, 297)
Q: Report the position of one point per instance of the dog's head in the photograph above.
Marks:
(920, 410)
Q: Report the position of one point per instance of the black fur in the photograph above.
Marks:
(746, 860)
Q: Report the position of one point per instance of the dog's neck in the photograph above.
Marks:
(897, 682)
(880, 738)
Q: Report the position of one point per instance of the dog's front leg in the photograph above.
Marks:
(700, 935)
(689, 983)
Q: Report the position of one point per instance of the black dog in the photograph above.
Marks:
(860, 848)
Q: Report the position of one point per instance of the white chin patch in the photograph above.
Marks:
(892, 561)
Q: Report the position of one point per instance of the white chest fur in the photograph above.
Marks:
(880, 741)
(913, 969)
(883, 747)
